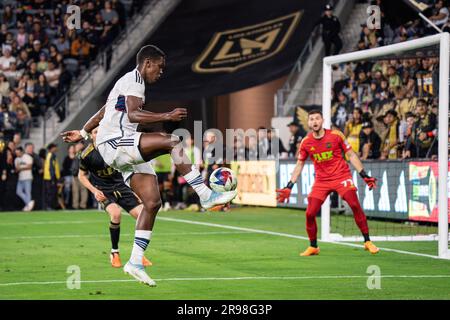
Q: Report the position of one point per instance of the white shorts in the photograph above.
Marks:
(123, 155)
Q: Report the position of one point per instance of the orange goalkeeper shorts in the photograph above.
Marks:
(321, 189)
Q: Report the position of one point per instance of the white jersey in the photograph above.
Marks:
(115, 123)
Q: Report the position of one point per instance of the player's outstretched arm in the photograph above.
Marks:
(356, 162)
(137, 115)
(91, 124)
(284, 194)
(84, 180)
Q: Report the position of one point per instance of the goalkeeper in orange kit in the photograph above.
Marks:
(326, 148)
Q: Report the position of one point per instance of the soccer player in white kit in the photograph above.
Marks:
(129, 151)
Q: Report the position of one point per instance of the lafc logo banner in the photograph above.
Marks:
(233, 49)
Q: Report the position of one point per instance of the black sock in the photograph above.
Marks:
(366, 237)
(313, 243)
(114, 231)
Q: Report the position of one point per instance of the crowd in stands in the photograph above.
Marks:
(40, 56)
(42, 181)
(387, 108)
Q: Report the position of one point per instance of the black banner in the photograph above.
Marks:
(218, 47)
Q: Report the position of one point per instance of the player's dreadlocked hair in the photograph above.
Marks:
(149, 52)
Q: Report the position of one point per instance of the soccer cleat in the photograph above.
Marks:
(369, 246)
(311, 251)
(115, 260)
(217, 198)
(138, 272)
(146, 262)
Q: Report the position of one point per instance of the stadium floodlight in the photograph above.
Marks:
(441, 41)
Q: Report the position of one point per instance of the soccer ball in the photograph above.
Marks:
(223, 179)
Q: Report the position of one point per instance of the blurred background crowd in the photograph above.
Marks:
(40, 56)
(386, 108)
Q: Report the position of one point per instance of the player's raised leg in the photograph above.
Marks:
(360, 218)
(146, 188)
(152, 145)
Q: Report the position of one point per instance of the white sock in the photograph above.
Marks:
(195, 179)
(141, 240)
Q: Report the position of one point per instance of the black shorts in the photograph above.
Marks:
(123, 197)
(162, 177)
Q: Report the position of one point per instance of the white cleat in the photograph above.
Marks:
(138, 272)
(218, 198)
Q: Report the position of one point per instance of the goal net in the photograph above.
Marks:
(409, 159)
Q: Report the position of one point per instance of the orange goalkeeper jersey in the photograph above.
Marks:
(327, 154)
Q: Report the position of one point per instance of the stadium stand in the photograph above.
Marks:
(395, 97)
(41, 57)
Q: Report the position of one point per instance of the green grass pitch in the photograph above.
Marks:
(197, 259)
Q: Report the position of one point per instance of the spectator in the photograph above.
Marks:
(340, 111)
(252, 148)
(4, 87)
(297, 134)
(37, 171)
(62, 45)
(42, 65)
(8, 17)
(440, 16)
(21, 37)
(23, 123)
(8, 122)
(6, 59)
(52, 74)
(353, 129)
(67, 173)
(79, 192)
(36, 51)
(51, 177)
(42, 94)
(274, 140)
(263, 144)
(394, 78)
(330, 31)
(23, 115)
(423, 132)
(13, 74)
(390, 139)
(109, 14)
(23, 165)
(370, 142)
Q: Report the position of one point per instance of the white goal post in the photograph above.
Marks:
(442, 40)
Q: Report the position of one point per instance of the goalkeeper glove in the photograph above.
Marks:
(285, 193)
(371, 182)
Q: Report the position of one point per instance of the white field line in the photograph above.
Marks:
(280, 234)
(287, 235)
(423, 276)
(122, 235)
(52, 222)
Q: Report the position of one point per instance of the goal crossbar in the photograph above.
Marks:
(443, 40)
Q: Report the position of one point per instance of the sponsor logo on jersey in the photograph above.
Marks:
(323, 156)
(233, 49)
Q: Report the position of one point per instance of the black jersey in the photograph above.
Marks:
(101, 175)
